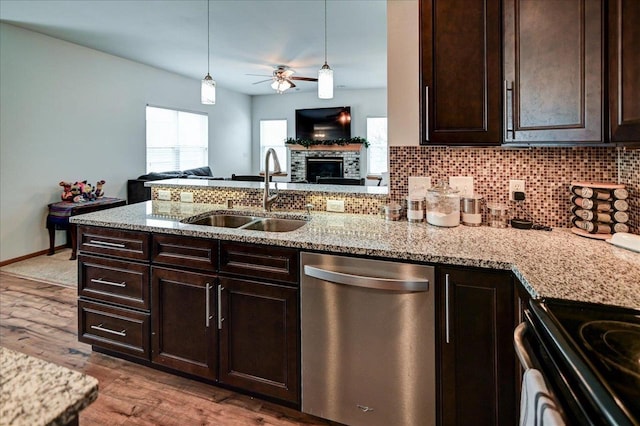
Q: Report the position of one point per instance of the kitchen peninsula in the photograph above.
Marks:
(160, 289)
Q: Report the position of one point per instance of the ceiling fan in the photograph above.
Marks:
(282, 77)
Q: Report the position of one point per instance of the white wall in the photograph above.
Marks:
(403, 72)
(72, 113)
(363, 103)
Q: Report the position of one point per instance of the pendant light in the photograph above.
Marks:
(325, 74)
(208, 87)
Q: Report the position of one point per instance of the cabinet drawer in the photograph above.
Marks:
(114, 281)
(273, 263)
(197, 253)
(113, 242)
(118, 329)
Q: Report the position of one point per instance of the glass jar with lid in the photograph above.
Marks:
(443, 205)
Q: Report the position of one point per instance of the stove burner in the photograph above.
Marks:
(617, 343)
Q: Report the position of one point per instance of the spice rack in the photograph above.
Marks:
(599, 209)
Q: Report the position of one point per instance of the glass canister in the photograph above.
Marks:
(415, 208)
(443, 205)
(391, 211)
(498, 215)
(471, 208)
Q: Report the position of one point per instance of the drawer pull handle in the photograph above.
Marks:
(101, 281)
(122, 333)
(108, 244)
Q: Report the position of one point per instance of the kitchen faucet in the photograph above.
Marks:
(269, 199)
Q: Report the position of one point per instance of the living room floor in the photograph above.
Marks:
(40, 319)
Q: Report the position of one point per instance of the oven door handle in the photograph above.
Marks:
(521, 351)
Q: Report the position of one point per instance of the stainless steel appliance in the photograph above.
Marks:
(367, 341)
(589, 355)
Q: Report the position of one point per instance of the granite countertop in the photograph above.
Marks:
(555, 264)
(36, 392)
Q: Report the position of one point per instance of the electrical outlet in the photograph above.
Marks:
(464, 184)
(164, 194)
(418, 185)
(186, 197)
(335, 206)
(515, 185)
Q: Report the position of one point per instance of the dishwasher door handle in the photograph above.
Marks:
(367, 282)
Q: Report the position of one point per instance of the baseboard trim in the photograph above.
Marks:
(29, 256)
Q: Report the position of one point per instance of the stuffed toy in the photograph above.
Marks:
(76, 192)
(66, 191)
(99, 192)
(87, 192)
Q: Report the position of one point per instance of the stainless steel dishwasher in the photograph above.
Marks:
(368, 329)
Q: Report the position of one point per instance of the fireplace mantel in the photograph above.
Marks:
(354, 147)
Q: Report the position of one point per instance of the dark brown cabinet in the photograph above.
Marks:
(624, 70)
(184, 326)
(553, 71)
(461, 72)
(476, 374)
(113, 290)
(259, 338)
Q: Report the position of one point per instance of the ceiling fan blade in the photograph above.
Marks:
(291, 83)
(262, 81)
(304, 78)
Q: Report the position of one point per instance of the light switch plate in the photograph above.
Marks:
(164, 194)
(418, 185)
(335, 206)
(186, 197)
(464, 184)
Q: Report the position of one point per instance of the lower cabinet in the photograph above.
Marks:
(259, 338)
(183, 328)
(477, 383)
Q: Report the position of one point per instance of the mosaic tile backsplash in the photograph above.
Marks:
(548, 173)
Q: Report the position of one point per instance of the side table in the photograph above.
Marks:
(59, 214)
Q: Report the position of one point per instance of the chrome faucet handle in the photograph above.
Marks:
(309, 207)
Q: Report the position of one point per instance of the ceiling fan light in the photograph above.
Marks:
(208, 91)
(325, 82)
(280, 85)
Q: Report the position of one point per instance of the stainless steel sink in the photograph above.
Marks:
(223, 220)
(275, 225)
(252, 223)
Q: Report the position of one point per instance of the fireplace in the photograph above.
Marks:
(324, 167)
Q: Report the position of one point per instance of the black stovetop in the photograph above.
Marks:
(608, 338)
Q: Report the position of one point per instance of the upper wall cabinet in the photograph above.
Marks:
(461, 72)
(624, 70)
(553, 70)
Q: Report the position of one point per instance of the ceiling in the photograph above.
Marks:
(247, 36)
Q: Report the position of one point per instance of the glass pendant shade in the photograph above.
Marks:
(208, 91)
(325, 82)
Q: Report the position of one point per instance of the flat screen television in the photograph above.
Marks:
(323, 123)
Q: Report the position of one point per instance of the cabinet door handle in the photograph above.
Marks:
(446, 307)
(101, 281)
(207, 313)
(105, 243)
(122, 333)
(220, 317)
(506, 111)
(426, 113)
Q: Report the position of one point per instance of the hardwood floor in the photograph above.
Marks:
(40, 319)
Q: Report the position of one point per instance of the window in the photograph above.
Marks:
(273, 133)
(176, 140)
(377, 151)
